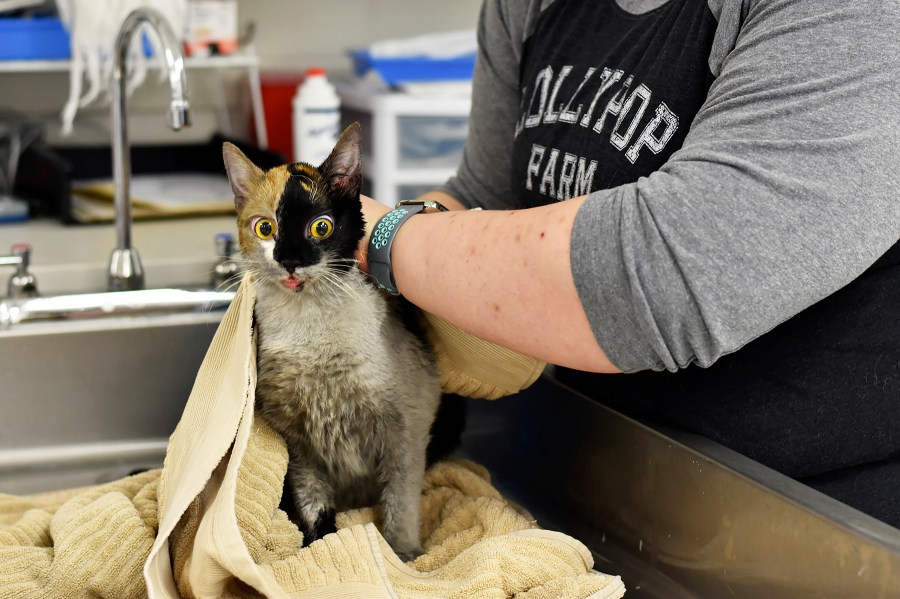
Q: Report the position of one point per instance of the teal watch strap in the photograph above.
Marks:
(382, 239)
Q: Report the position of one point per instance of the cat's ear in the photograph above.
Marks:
(241, 173)
(342, 170)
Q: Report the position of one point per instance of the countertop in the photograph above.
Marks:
(74, 258)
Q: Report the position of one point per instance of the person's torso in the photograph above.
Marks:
(606, 98)
(606, 95)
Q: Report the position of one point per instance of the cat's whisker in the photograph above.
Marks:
(335, 283)
(227, 285)
(246, 264)
(331, 290)
(335, 288)
(337, 260)
(248, 268)
(230, 283)
(334, 276)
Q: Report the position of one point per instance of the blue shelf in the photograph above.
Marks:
(414, 69)
(33, 39)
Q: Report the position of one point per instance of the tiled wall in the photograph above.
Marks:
(290, 35)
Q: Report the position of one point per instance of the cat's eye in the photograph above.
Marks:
(264, 228)
(321, 227)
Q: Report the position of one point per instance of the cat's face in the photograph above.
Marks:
(299, 225)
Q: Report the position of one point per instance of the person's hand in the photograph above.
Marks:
(372, 211)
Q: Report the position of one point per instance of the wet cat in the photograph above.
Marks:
(340, 376)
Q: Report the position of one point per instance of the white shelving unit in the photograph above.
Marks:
(238, 60)
(387, 162)
(245, 60)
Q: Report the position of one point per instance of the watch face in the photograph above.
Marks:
(428, 204)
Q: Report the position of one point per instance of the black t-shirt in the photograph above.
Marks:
(611, 102)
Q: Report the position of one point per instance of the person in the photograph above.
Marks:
(702, 194)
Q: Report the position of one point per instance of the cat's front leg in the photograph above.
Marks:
(313, 498)
(402, 472)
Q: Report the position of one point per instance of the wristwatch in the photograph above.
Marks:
(382, 239)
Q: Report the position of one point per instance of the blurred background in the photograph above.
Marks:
(400, 67)
(289, 36)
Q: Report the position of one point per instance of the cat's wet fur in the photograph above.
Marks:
(339, 374)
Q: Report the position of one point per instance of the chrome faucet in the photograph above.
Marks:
(125, 269)
(22, 284)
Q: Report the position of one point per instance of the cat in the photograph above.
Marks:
(340, 375)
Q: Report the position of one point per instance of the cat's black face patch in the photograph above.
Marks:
(304, 199)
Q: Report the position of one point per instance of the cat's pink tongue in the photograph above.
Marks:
(292, 283)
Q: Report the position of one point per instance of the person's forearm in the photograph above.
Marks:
(503, 276)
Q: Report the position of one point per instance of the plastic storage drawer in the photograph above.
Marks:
(410, 143)
(431, 141)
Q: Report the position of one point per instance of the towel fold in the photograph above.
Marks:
(208, 523)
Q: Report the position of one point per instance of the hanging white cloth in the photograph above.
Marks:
(93, 27)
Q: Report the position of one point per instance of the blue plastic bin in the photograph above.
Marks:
(40, 38)
(413, 69)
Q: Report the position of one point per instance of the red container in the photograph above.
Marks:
(278, 89)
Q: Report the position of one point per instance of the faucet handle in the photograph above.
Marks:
(225, 270)
(225, 245)
(22, 284)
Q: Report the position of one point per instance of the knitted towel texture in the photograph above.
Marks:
(472, 367)
(208, 523)
(79, 543)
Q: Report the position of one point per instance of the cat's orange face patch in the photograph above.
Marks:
(266, 193)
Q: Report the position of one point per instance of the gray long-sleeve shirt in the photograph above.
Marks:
(786, 186)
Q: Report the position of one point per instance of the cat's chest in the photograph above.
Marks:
(318, 358)
(319, 331)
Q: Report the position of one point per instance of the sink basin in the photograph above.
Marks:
(91, 400)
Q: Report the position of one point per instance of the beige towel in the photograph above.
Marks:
(208, 525)
(473, 367)
(79, 543)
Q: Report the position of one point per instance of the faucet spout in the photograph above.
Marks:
(125, 269)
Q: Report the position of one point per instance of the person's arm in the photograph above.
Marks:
(504, 276)
(785, 190)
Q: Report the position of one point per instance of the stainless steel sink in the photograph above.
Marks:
(90, 400)
(676, 515)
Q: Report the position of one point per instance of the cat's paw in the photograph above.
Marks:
(323, 525)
